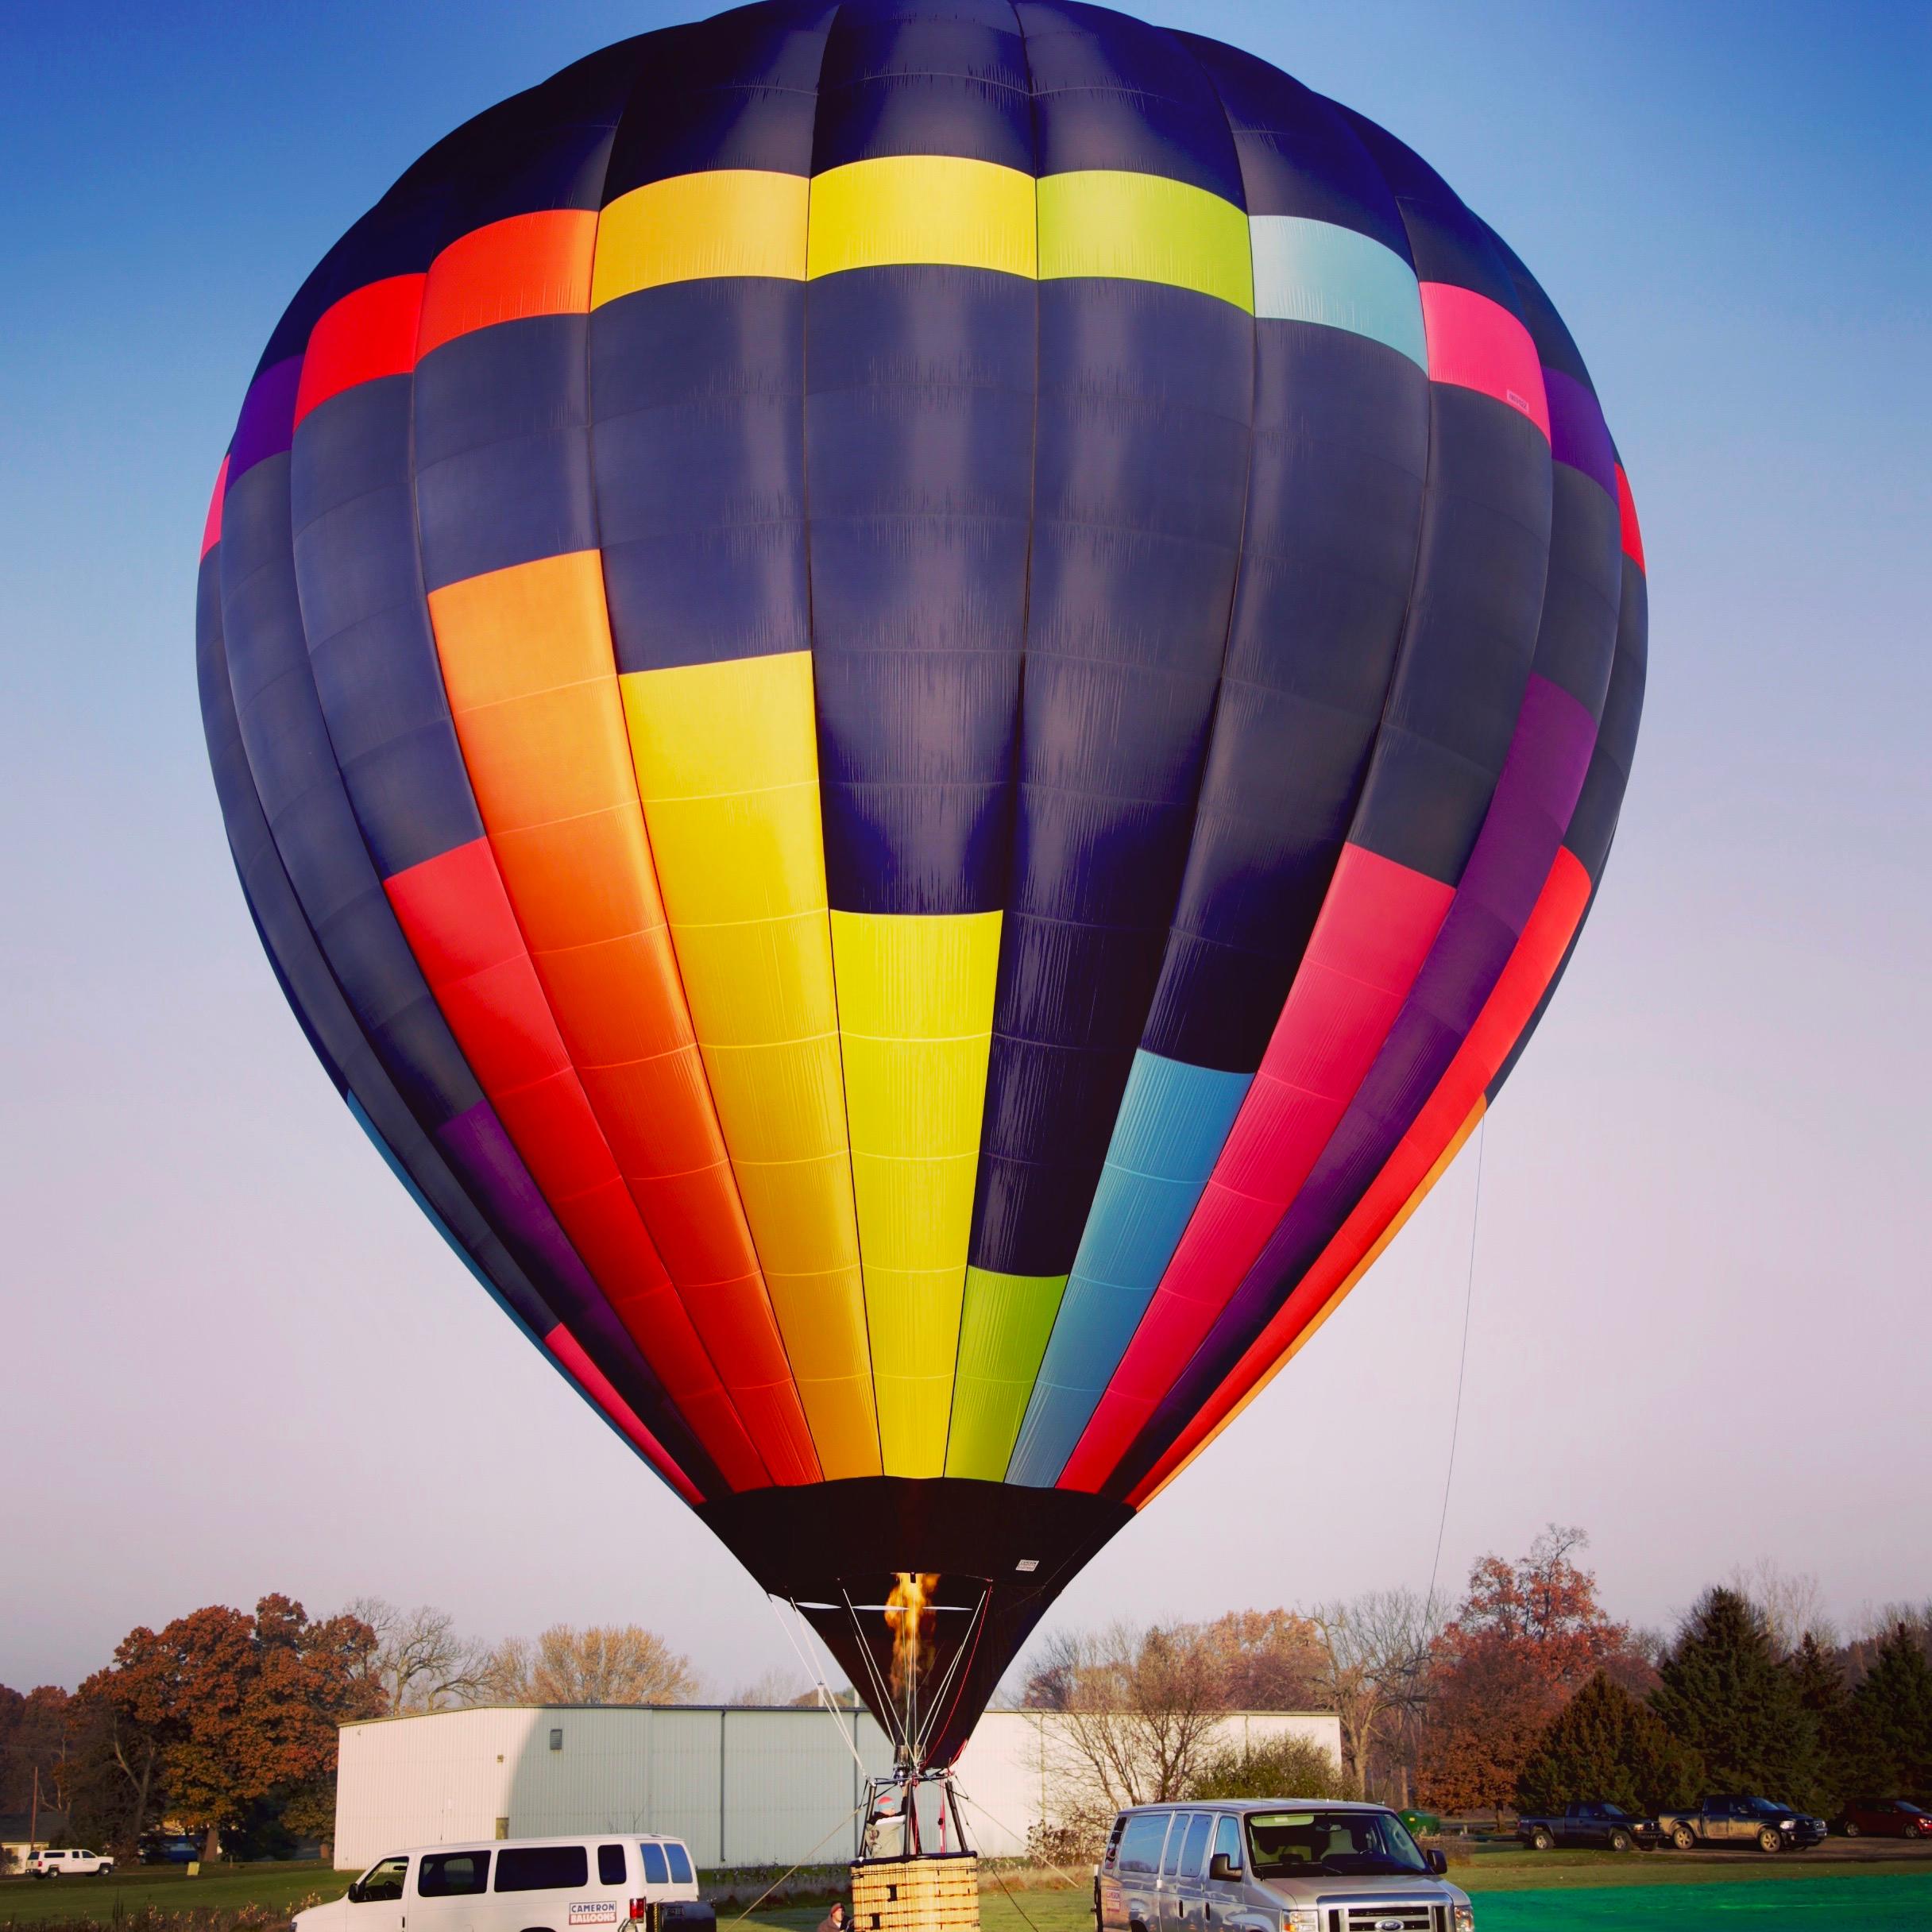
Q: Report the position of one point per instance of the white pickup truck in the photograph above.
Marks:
(46, 1863)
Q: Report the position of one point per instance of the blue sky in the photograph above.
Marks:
(236, 1358)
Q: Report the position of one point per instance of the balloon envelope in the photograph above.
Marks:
(918, 696)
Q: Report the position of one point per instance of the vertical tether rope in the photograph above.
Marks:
(1462, 1366)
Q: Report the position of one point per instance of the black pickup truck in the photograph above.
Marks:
(1731, 1819)
(1590, 1823)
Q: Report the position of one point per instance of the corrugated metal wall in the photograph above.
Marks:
(740, 1787)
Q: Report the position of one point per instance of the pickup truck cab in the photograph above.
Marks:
(45, 1864)
(1589, 1821)
(523, 1885)
(1734, 1819)
(1282, 1864)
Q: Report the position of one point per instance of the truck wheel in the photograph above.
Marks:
(1769, 1840)
(1684, 1838)
(1619, 1841)
(1541, 1839)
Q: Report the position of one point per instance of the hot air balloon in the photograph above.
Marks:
(918, 697)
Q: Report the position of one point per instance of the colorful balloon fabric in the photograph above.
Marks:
(918, 697)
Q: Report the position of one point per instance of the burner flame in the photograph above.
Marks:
(910, 1619)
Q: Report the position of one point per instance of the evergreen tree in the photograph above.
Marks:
(1889, 1719)
(1605, 1745)
(1819, 1675)
(1722, 1692)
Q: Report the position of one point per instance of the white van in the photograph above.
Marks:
(523, 1885)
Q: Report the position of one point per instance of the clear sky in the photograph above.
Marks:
(234, 1359)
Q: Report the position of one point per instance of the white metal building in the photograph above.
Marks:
(741, 1787)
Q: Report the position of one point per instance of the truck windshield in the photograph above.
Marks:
(1341, 1843)
(1763, 1807)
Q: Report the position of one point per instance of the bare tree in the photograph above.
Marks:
(420, 1662)
(1141, 1707)
(1053, 1670)
(605, 1664)
(1790, 1603)
(773, 1687)
(1374, 1672)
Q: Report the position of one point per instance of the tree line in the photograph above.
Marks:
(1526, 1692)
(223, 1722)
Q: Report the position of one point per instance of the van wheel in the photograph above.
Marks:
(1541, 1839)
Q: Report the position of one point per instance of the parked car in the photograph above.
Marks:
(167, 1848)
(522, 1885)
(1731, 1819)
(1280, 1864)
(1884, 1818)
(1591, 1821)
(45, 1864)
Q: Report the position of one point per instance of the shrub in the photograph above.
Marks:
(1072, 1839)
(1270, 1768)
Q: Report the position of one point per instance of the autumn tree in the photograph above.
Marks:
(36, 1735)
(604, 1664)
(1267, 1660)
(221, 1714)
(1605, 1745)
(1527, 1635)
(1723, 1692)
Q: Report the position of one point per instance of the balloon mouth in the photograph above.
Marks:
(973, 1567)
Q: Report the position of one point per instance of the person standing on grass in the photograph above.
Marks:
(834, 1920)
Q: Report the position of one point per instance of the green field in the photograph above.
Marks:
(1551, 1893)
(273, 1890)
(1515, 1891)
(1861, 1900)
(1506, 1868)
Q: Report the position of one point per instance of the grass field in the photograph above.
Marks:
(1552, 1892)
(1877, 1889)
(271, 1889)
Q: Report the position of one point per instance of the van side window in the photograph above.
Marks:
(1227, 1841)
(1176, 1838)
(1140, 1844)
(542, 1867)
(610, 1865)
(452, 1875)
(655, 1872)
(1113, 1840)
(680, 1863)
(382, 1881)
(1194, 1859)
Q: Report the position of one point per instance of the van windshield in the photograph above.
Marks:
(1340, 1843)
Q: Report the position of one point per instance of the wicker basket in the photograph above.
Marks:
(916, 1895)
